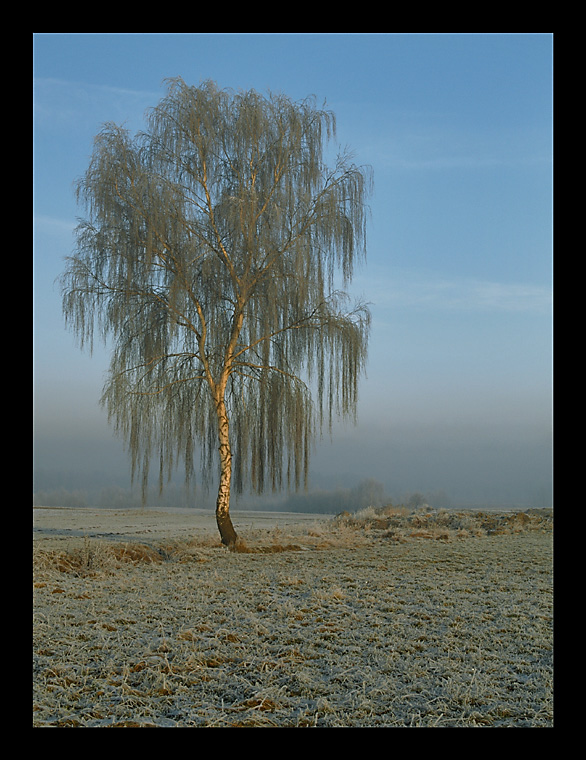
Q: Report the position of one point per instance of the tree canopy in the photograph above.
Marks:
(213, 257)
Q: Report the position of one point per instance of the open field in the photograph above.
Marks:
(379, 619)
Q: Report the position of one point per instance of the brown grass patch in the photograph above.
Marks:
(243, 548)
(136, 553)
(94, 557)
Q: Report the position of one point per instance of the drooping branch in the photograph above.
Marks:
(208, 259)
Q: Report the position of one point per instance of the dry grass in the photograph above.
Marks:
(383, 618)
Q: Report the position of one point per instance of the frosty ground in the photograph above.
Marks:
(378, 619)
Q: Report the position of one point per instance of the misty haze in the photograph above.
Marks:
(502, 470)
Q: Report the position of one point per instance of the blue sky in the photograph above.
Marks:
(458, 130)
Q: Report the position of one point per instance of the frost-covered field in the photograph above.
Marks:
(382, 619)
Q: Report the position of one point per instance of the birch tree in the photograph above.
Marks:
(212, 259)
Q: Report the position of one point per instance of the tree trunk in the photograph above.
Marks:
(227, 532)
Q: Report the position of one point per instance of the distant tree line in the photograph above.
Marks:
(367, 493)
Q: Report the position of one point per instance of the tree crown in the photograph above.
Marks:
(209, 257)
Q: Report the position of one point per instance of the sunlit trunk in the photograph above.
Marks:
(227, 532)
